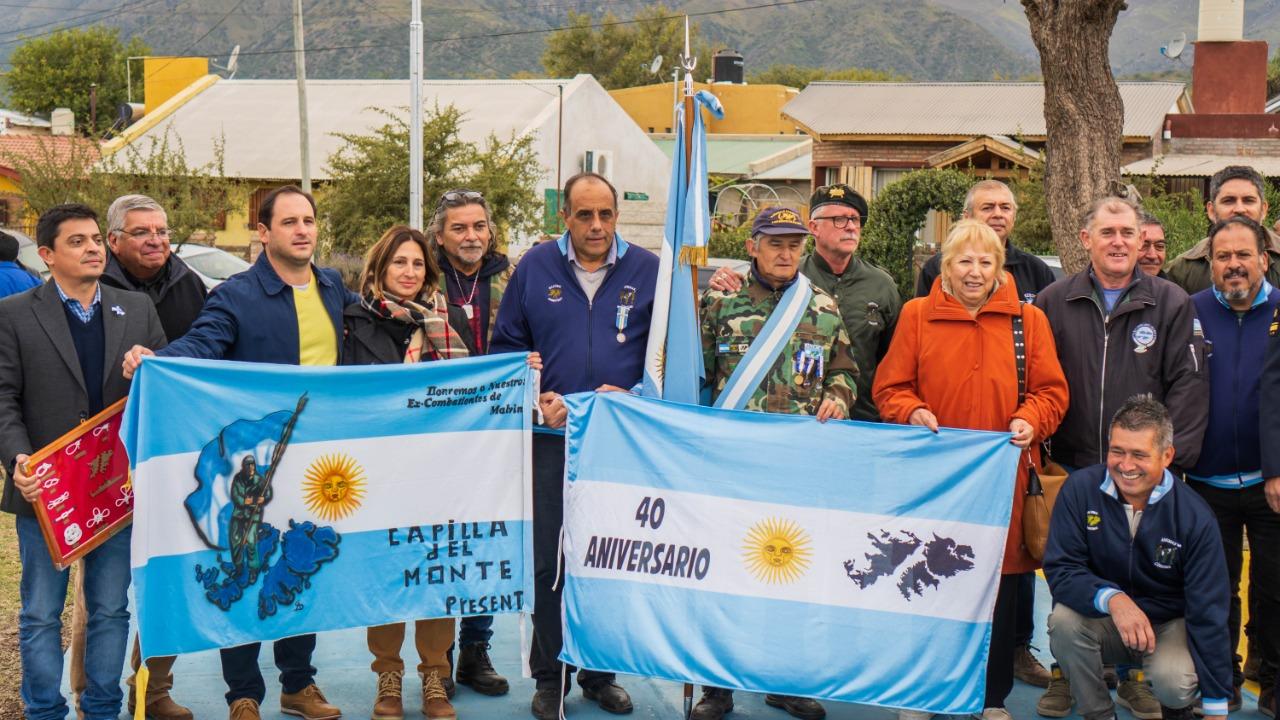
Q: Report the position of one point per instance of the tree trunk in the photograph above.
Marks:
(1082, 111)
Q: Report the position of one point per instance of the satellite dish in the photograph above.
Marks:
(656, 65)
(233, 62)
(1174, 49)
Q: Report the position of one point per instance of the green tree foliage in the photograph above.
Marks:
(1031, 230)
(370, 188)
(898, 213)
(799, 77)
(193, 197)
(619, 55)
(60, 69)
(1273, 76)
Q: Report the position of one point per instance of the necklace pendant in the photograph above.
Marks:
(469, 311)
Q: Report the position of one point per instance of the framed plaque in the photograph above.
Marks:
(85, 492)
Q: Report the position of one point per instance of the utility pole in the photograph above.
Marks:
(415, 116)
(300, 63)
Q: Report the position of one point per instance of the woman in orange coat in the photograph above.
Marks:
(952, 364)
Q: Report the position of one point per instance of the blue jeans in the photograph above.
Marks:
(475, 629)
(44, 594)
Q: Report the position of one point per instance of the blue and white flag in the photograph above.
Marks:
(673, 358)
(851, 561)
(274, 500)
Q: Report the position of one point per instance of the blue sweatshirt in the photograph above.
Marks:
(1236, 346)
(1172, 567)
(545, 309)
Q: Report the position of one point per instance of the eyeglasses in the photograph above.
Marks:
(454, 198)
(843, 221)
(143, 235)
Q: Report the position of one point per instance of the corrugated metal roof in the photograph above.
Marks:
(1014, 109)
(732, 157)
(1201, 165)
(258, 119)
(799, 168)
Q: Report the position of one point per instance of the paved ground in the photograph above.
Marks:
(343, 661)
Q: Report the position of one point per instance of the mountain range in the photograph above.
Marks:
(942, 40)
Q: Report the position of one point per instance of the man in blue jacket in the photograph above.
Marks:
(584, 303)
(1236, 315)
(282, 310)
(1134, 562)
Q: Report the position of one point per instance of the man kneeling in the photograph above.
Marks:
(1134, 561)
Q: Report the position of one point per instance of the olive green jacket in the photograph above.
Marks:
(1190, 270)
(869, 305)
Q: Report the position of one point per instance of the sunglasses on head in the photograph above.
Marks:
(461, 197)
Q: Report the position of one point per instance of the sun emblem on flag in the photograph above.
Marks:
(334, 486)
(776, 551)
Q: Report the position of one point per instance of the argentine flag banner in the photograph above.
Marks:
(276, 500)
(851, 561)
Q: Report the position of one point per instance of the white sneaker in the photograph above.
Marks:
(914, 715)
(994, 713)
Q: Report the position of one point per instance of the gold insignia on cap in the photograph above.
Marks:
(785, 216)
(836, 192)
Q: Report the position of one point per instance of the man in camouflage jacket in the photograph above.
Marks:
(814, 374)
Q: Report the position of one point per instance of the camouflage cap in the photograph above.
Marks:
(778, 221)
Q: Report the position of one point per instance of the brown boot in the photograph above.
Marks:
(389, 705)
(1028, 669)
(309, 704)
(162, 708)
(245, 709)
(435, 703)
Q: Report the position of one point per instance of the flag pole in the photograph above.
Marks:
(689, 61)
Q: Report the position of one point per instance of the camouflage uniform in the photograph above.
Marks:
(732, 320)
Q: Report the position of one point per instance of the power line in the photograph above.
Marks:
(100, 15)
(197, 40)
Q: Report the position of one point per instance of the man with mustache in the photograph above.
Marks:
(473, 276)
(1121, 332)
(1236, 314)
(1151, 261)
(1233, 190)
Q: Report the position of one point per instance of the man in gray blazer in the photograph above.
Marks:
(60, 347)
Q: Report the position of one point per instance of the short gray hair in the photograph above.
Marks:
(1144, 412)
(1147, 218)
(126, 204)
(986, 185)
(1110, 203)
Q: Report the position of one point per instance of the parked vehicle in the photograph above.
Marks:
(211, 264)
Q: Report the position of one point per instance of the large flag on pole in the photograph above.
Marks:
(773, 553)
(673, 358)
(273, 500)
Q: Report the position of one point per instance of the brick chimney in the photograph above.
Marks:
(1229, 76)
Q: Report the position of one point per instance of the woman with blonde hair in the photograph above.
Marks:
(954, 361)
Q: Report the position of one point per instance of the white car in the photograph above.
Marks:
(211, 264)
(28, 256)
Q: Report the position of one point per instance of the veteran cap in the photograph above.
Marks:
(778, 221)
(838, 194)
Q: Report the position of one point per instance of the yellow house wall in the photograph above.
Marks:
(749, 109)
(164, 77)
(8, 185)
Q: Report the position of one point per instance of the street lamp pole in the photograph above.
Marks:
(415, 116)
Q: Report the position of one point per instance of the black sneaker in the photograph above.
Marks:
(475, 670)
(714, 705)
(1186, 713)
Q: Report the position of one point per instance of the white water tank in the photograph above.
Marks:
(63, 121)
(1221, 21)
